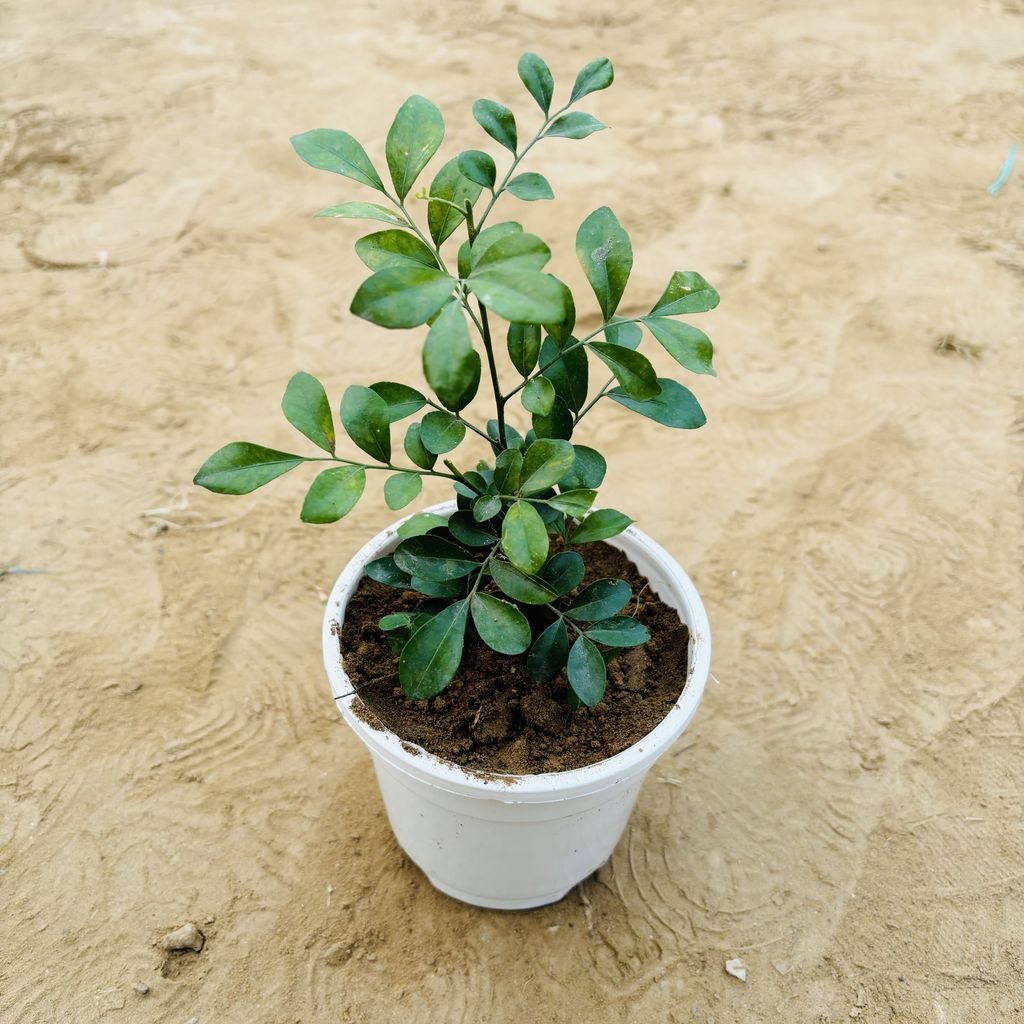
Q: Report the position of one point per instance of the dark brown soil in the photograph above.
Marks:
(493, 717)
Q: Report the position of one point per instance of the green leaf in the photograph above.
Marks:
(431, 658)
(568, 371)
(401, 488)
(362, 211)
(558, 423)
(530, 187)
(450, 363)
(520, 586)
(620, 631)
(524, 537)
(600, 600)
(478, 166)
(241, 467)
(564, 572)
(598, 74)
(420, 524)
(687, 292)
(600, 525)
(434, 558)
(498, 121)
(674, 407)
(548, 653)
(516, 251)
(394, 248)
(626, 334)
(587, 672)
(307, 409)
(502, 626)
(384, 570)
(402, 296)
(524, 346)
(575, 503)
(536, 76)
(545, 463)
(487, 506)
(574, 125)
(606, 256)
(400, 399)
(413, 445)
(439, 588)
(452, 185)
(687, 345)
(633, 370)
(513, 439)
(587, 471)
(508, 467)
(485, 240)
(330, 150)
(440, 432)
(364, 415)
(538, 396)
(397, 620)
(561, 332)
(413, 139)
(520, 296)
(333, 494)
(465, 530)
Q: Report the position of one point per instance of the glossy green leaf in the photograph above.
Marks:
(575, 503)
(674, 407)
(548, 653)
(687, 345)
(523, 342)
(439, 588)
(333, 494)
(628, 335)
(520, 296)
(488, 237)
(513, 439)
(414, 448)
(394, 248)
(431, 658)
(520, 586)
(487, 506)
(558, 422)
(574, 125)
(600, 600)
(606, 256)
(621, 631)
(419, 524)
(588, 470)
(466, 530)
(400, 399)
(516, 251)
(397, 620)
(508, 467)
(413, 139)
(536, 76)
(434, 558)
(633, 370)
(502, 626)
(241, 467)
(530, 187)
(478, 166)
(538, 396)
(600, 525)
(545, 462)
(687, 292)
(364, 415)
(498, 121)
(384, 570)
(330, 150)
(524, 537)
(402, 296)
(561, 332)
(588, 674)
(598, 74)
(402, 488)
(450, 363)
(564, 572)
(307, 409)
(452, 185)
(362, 211)
(440, 432)
(568, 371)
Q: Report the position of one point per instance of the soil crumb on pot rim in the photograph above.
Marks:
(493, 717)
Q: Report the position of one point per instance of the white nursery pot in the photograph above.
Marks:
(516, 841)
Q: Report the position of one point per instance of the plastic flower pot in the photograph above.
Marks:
(516, 841)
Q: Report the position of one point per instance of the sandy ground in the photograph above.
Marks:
(845, 812)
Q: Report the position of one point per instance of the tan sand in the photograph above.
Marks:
(844, 814)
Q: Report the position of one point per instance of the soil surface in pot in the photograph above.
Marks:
(493, 717)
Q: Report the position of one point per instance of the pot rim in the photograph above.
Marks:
(415, 761)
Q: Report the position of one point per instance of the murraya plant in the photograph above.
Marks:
(533, 487)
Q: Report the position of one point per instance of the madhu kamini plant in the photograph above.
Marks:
(533, 486)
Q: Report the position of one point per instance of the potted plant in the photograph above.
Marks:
(481, 634)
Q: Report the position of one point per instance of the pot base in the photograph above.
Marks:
(492, 903)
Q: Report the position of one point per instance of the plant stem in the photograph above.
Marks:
(386, 466)
(590, 405)
(428, 242)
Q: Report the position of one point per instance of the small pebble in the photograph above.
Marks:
(737, 968)
(141, 987)
(188, 936)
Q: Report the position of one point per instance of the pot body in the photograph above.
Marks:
(514, 842)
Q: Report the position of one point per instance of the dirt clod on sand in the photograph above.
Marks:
(493, 717)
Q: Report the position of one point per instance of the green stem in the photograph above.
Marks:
(428, 242)
(389, 467)
(461, 419)
(590, 405)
